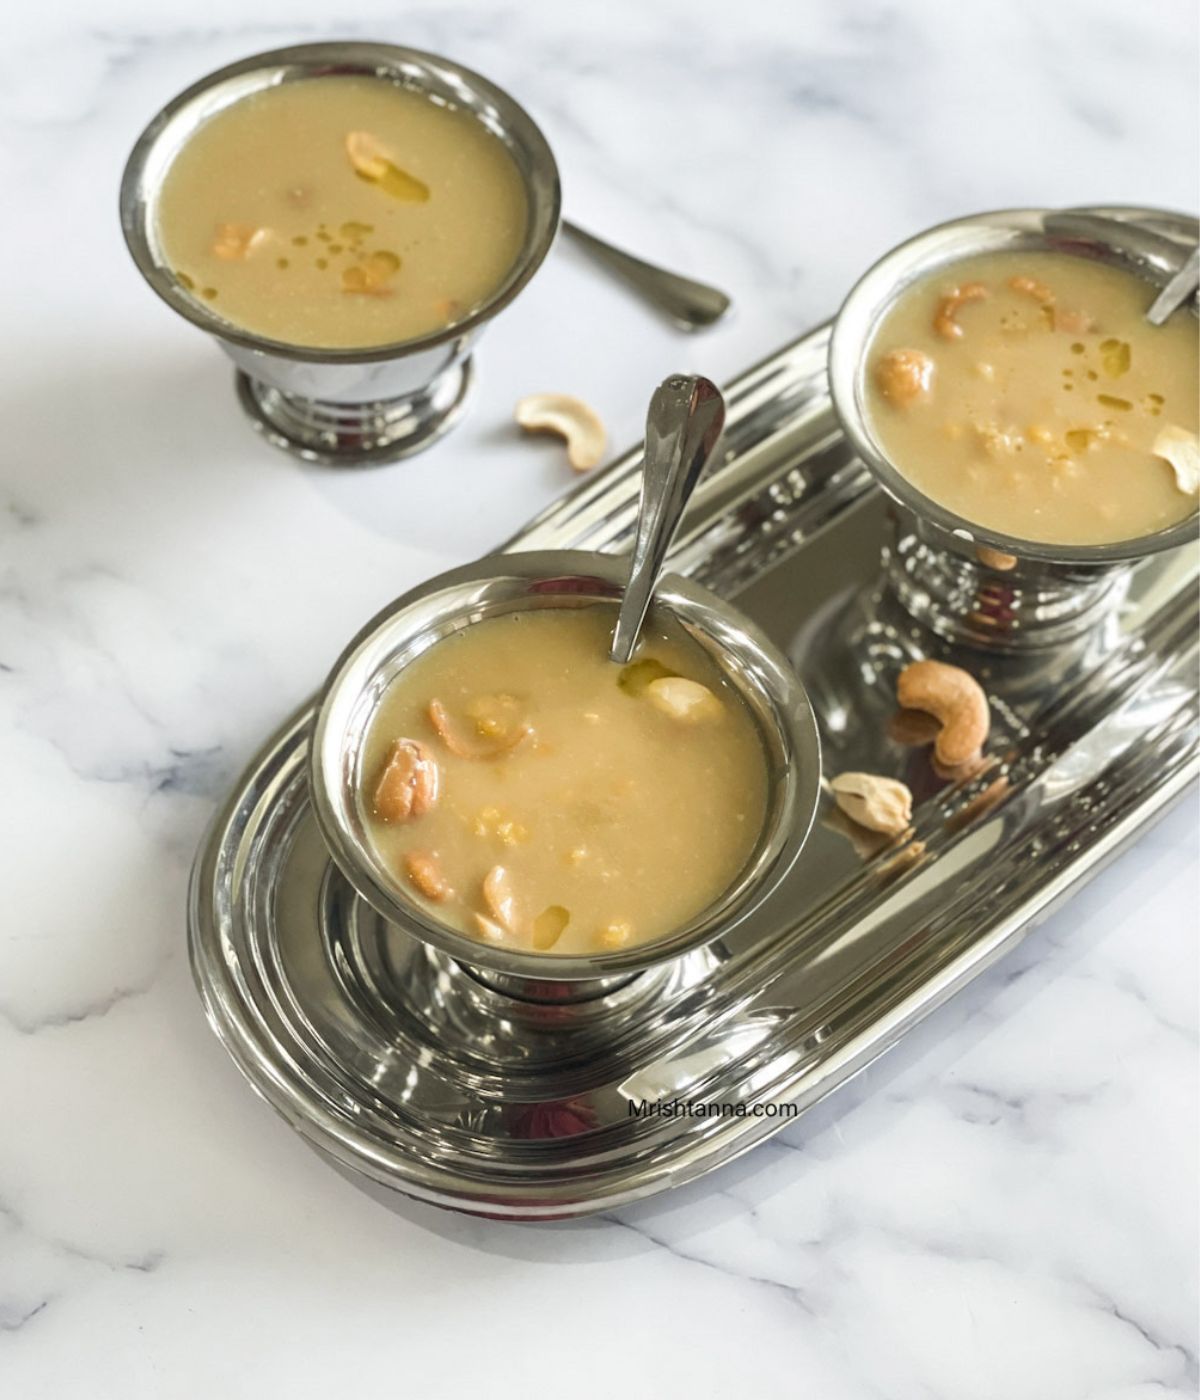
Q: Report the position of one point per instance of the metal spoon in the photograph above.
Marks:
(688, 303)
(1139, 242)
(685, 420)
(1177, 290)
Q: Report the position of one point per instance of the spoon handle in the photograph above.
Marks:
(685, 420)
(689, 304)
(1177, 290)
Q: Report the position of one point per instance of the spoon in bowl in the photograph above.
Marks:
(1177, 290)
(685, 420)
(690, 304)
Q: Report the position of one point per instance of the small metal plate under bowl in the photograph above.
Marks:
(401, 1067)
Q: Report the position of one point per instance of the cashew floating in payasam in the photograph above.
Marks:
(1181, 451)
(684, 700)
(372, 162)
(879, 804)
(944, 318)
(577, 423)
(549, 927)
(488, 929)
(425, 874)
(905, 377)
(502, 744)
(409, 785)
(954, 697)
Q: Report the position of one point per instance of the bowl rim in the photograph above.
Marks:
(794, 791)
(858, 320)
(366, 57)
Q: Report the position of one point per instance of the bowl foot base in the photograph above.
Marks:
(358, 434)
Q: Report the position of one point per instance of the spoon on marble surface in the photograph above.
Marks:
(690, 304)
(685, 420)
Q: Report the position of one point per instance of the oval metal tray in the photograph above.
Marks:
(402, 1069)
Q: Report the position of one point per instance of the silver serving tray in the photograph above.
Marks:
(402, 1069)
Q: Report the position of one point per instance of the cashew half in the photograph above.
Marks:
(549, 927)
(577, 423)
(945, 317)
(684, 700)
(499, 897)
(1031, 287)
(409, 784)
(458, 746)
(1181, 450)
(953, 696)
(904, 377)
(425, 875)
(995, 558)
(879, 804)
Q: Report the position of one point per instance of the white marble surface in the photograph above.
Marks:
(1003, 1210)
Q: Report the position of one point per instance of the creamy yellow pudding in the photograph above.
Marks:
(342, 212)
(1027, 393)
(536, 796)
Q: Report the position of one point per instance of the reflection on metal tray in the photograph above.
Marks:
(399, 1066)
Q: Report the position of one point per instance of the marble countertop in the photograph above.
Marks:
(1002, 1209)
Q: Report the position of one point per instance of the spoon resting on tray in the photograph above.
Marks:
(685, 420)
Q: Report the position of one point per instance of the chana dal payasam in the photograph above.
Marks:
(536, 796)
(1027, 393)
(342, 212)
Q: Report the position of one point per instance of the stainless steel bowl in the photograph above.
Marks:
(1053, 592)
(505, 583)
(344, 407)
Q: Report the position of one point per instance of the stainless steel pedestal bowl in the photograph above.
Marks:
(970, 585)
(344, 407)
(506, 583)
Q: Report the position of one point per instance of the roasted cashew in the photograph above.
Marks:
(995, 559)
(953, 696)
(425, 874)
(409, 784)
(684, 700)
(944, 321)
(549, 927)
(577, 423)
(488, 928)
(460, 748)
(904, 376)
(1067, 319)
(1031, 287)
(235, 242)
(879, 804)
(372, 161)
